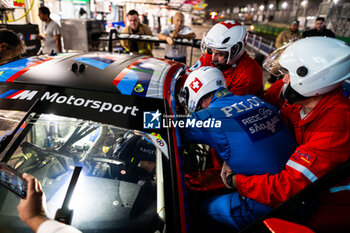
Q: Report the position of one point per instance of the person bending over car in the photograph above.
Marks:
(247, 133)
(314, 106)
(11, 46)
(224, 48)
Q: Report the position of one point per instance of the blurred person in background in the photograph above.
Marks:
(11, 46)
(177, 30)
(51, 33)
(136, 27)
(285, 36)
(319, 30)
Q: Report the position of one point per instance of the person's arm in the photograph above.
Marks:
(279, 40)
(58, 43)
(57, 36)
(125, 43)
(187, 33)
(324, 151)
(32, 211)
(225, 171)
(190, 36)
(168, 39)
(274, 94)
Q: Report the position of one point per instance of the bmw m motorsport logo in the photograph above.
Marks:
(100, 106)
(151, 120)
(19, 94)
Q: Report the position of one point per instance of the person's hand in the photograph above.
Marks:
(225, 171)
(31, 210)
(169, 40)
(149, 166)
(174, 35)
(39, 37)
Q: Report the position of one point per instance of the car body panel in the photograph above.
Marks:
(112, 89)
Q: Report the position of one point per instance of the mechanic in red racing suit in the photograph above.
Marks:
(319, 115)
(224, 47)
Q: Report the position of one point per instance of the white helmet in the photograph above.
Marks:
(229, 36)
(199, 83)
(316, 65)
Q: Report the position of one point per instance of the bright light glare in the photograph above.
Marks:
(261, 7)
(284, 5)
(271, 6)
(304, 3)
(335, 1)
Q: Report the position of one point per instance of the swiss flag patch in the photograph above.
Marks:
(196, 85)
(230, 25)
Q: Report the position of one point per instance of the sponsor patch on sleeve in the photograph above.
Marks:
(222, 93)
(260, 123)
(303, 158)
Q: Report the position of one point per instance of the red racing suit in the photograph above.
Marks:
(323, 137)
(243, 78)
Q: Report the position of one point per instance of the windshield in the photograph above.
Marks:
(117, 188)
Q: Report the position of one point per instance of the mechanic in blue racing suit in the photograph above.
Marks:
(245, 131)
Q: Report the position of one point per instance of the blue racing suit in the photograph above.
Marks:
(245, 131)
(250, 137)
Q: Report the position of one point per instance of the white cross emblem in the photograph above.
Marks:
(196, 85)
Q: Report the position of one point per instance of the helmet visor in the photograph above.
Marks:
(205, 48)
(183, 96)
(271, 63)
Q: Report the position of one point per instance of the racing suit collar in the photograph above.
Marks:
(321, 106)
(222, 91)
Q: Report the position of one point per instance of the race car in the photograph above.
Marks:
(102, 112)
(114, 116)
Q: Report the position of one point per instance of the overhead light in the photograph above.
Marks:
(284, 5)
(271, 6)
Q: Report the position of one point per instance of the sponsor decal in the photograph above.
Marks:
(303, 158)
(242, 106)
(222, 93)
(139, 88)
(159, 142)
(31, 37)
(151, 120)
(259, 123)
(101, 106)
(196, 85)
